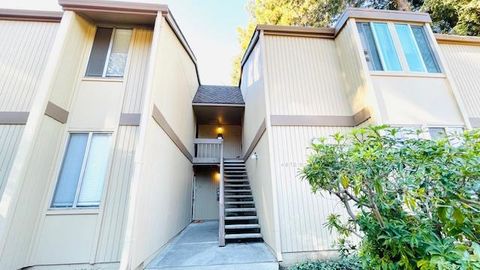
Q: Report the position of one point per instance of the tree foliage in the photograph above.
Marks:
(413, 202)
(449, 16)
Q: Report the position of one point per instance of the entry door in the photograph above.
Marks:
(205, 201)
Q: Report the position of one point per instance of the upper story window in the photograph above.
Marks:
(84, 168)
(397, 47)
(109, 52)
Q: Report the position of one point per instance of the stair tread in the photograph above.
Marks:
(242, 226)
(238, 196)
(242, 235)
(232, 210)
(241, 185)
(241, 217)
(238, 190)
(242, 202)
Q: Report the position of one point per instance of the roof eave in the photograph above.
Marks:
(30, 15)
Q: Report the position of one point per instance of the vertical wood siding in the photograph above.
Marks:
(9, 139)
(135, 81)
(116, 201)
(351, 68)
(463, 61)
(24, 49)
(304, 77)
(302, 214)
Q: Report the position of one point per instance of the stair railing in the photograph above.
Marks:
(221, 203)
(207, 151)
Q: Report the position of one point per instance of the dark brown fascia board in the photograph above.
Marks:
(218, 105)
(282, 30)
(30, 15)
(382, 15)
(467, 40)
(113, 6)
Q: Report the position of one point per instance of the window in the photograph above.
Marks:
(109, 52)
(385, 45)
(83, 171)
(382, 53)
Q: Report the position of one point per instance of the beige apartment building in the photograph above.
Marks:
(110, 146)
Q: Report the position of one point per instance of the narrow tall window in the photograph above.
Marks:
(109, 52)
(369, 48)
(84, 168)
(425, 49)
(385, 45)
(410, 49)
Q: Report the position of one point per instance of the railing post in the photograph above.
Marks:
(221, 204)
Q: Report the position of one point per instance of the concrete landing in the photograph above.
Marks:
(197, 248)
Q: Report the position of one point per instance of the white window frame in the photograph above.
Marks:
(82, 171)
(400, 53)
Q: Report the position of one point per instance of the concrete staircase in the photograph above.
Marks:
(241, 221)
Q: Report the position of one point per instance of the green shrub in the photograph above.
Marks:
(349, 263)
(414, 203)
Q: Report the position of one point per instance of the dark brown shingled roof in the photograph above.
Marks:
(218, 94)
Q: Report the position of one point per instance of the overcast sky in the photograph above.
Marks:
(210, 27)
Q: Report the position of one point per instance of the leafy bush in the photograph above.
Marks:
(348, 263)
(413, 202)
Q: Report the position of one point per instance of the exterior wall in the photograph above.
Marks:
(462, 61)
(232, 138)
(259, 171)
(41, 236)
(311, 84)
(353, 68)
(408, 100)
(254, 97)
(161, 189)
(302, 213)
(24, 49)
(260, 179)
(24, 196)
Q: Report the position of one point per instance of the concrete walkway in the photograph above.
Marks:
(197, 248)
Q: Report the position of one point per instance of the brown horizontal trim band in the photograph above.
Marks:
(218, 104)
(442, 38)
(298, 31)
(162, 122)
(13, 118)
(321, 120)
(475, 122)
(261, 130)
(113, 6)
(56, 112)
(130, 119)
(30, 15)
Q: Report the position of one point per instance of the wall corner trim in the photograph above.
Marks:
(162, 122)
(56, 112)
